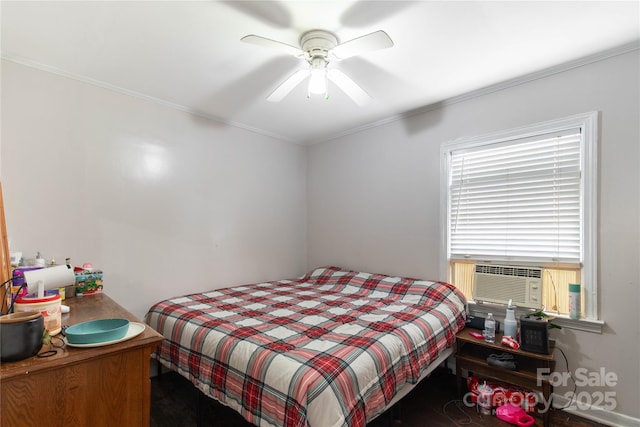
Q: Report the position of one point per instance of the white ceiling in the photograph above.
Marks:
(189, 54)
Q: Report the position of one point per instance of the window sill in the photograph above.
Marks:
(587, 325)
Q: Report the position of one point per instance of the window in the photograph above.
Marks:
(525, 197)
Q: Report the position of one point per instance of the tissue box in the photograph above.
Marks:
(88, 282)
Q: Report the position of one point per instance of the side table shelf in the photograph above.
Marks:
(471, 355)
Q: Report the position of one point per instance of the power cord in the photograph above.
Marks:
(468, 420)
(555, 291)
(575, 386)
(15, 297)
(4, 296)
(54, 348)
(7, 288)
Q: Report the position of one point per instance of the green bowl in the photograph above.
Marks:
(97, 331)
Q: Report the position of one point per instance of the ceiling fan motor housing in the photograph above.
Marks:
(317, 43)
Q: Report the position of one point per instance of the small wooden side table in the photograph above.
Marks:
(93, 386)
(471, 355)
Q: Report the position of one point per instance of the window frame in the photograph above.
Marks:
(588, 123)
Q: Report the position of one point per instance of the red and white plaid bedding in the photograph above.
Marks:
(329, 349)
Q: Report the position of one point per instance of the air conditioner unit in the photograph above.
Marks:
(501, 283)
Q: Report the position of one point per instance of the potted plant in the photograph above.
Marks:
(550, 324)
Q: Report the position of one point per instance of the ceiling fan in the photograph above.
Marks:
(319, 48)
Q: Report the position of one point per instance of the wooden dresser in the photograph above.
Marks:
(96, 386)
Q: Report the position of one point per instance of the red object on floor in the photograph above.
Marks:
(503, 394)
(514, 415)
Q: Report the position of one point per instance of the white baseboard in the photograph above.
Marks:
(595, 413)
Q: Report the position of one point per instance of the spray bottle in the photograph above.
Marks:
(510, 324)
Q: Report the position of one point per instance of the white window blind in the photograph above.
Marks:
(518, 200)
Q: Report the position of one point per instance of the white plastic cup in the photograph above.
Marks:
(484, 399)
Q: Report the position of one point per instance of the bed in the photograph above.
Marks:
(332, 348)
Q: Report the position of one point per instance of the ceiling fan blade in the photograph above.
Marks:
(271, 12)
(363, 14)
(288, 85)
(348, 86)
(263, 41)
(367, 43)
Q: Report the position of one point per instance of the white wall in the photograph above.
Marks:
(374, 199)
(164, 202)
(231, 206)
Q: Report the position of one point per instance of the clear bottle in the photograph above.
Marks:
(510, 323)
(484, 398)
(40, 262)
(490, 328)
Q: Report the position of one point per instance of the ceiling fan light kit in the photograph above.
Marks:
(319, 48)
(318, 78)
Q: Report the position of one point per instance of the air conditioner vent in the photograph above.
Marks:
(501, 283)
(504, 270)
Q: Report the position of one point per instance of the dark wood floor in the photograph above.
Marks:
(431, 403)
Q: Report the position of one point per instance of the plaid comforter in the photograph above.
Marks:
(329, 349)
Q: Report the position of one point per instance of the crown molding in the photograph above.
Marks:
(517, 81)
(138, 95)
(580, 62)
